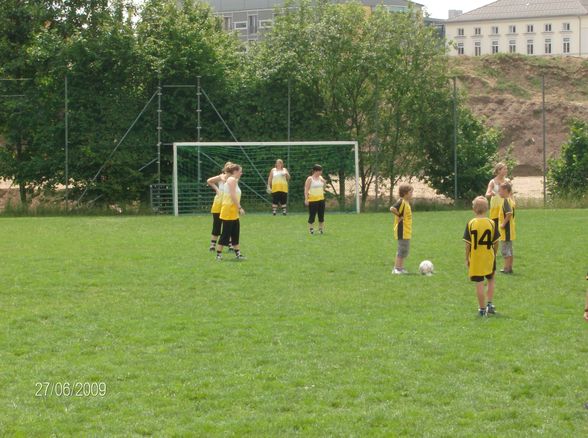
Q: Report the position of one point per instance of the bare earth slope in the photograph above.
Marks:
(506, 90)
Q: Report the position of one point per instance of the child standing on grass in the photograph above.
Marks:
(402, 226)
(506, 219)
(500, 172)
(481, 237)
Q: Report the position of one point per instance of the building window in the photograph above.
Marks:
(566, 27)
(396, 8)
(530, 28)
(548, 46)
(477, 31)
(241, 25)
(512, 46)
(478, 48)
(494, 30)
(530, 47)
(512, 29)
(253, 24)
(566, 45)
(227, 23)
(548, 27)
(266, 24)
(460, 31)
(494, 47)
(460, 49)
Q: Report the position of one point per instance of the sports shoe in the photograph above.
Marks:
(321, 231)
(311, 231)
(396, 271)
(490, 309)
(284, 213)
(482, 312)
(219, 258)
(504, 271)
(241, 257)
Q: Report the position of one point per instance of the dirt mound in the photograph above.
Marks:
(507, 91)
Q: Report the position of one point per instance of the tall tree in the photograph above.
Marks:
(27, 157)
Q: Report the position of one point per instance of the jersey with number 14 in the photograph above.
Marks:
(481, 234)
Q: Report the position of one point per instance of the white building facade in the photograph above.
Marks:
(528, 27)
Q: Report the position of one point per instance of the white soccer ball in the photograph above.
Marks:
(426, 268)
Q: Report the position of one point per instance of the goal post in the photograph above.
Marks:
(194, 162)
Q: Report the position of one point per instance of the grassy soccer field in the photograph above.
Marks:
(311, 335)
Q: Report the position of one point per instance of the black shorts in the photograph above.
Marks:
(480, 278)
(314, 208)
(217, 224)
(279, 198)
(230, 233)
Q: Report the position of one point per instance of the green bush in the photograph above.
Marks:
(567, 176)
(477, 149)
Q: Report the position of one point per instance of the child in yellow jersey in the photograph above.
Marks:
(231, 210)
(217, 184)
(481, 237)
(314, 198)
(402, 226)
(500, 172)
(506, 220)
(277, 183)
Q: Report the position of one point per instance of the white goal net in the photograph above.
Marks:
(194, 163)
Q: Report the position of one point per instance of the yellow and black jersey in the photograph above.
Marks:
(509, 231)
(403, 229)
(481, 234)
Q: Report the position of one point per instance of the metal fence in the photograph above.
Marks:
(192, 198)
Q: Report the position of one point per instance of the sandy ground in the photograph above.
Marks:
(526, 187)
(5, 184)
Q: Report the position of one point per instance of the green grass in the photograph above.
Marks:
(310, 336)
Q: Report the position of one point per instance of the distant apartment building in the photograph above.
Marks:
(251, 19)
(529, 27)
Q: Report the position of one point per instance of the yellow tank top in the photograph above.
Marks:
(229, 211)
(218, 199)
(495, 202)
(316, 191)
(279, 181)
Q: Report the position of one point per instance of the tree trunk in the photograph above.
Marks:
(23, 194)
(342, 189)
(22, 188)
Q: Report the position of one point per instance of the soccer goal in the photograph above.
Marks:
(195, 162)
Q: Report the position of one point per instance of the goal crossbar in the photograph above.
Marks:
(177, 145)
